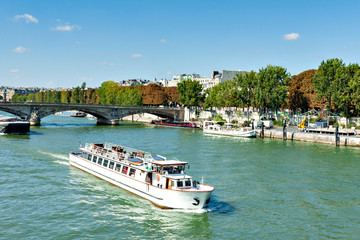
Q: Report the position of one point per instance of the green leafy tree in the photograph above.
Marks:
(31, 97)
(190, 92)
(343, 92)
(271, 87)
(76, 95)
(82, 93)
(132, 97)
(225, 94)
(246, 82)
(354, 84)
(107, 92)
(19, 98)
(324, 79)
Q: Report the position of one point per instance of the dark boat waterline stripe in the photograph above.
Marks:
(121, 183)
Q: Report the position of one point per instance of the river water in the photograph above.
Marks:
(264, 188)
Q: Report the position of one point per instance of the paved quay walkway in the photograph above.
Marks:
(293, 133)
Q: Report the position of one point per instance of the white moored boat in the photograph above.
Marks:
(163, 182)
(211, 127)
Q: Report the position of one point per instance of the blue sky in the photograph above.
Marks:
(64, 43)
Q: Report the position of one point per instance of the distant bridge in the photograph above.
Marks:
(105, 114)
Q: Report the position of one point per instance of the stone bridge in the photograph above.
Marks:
(105, 114)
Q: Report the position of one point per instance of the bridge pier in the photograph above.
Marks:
(35, 121)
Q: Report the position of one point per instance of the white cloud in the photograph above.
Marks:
(27, 17)
(20, 49)
(162, 40)
(291, 36)
(136, 55)
(66, 28)
(108, 64)
(14, 70)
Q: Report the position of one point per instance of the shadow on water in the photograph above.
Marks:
(218, 206)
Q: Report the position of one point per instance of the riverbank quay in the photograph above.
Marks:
(294, 134)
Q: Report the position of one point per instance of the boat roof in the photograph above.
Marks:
(2, 117)
(170, 162)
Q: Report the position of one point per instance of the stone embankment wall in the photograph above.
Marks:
(232, 113)
(312, 137)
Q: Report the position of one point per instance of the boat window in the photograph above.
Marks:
(179, 183)
(158, 169)
(169, 169)
(125, 170)
(132, 172)
(100, 161)
(178, 169)
(94, 159)
(85, 155)
(188, 183)
(118, 167)
(111, 165)
(105, 163)
(89, 157)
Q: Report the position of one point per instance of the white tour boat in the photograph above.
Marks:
(211, 127)
(163, 182)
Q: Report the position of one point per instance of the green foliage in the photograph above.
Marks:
(129, 97)
(272, 87)
(278, 123)
(246, 84)
(19, 98)
(325, 77)
(76, 95)
(190, 92)
(218, 118)
(344, 94)
(225, 94)
(108, 92)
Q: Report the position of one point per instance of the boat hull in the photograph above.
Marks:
(177, 125)
(163, 198)
(15, 127)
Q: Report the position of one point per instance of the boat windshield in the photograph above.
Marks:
(174, 169)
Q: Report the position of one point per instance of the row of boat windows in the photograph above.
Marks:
(110, 164)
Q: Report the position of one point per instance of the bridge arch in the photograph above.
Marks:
(105, 114)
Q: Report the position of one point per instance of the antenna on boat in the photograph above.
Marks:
(202, 180)
(80, 143)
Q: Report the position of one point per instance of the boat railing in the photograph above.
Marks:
(123, 154)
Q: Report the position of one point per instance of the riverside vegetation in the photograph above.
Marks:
(334, 86)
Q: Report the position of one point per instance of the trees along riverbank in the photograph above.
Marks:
(334, 85)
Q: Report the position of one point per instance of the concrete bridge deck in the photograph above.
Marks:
(105, 114)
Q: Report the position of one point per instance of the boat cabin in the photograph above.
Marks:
(169, 167)
(170, 174)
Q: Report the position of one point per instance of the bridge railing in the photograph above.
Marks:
(89, 105)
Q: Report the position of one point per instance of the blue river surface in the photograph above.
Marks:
(264, 188)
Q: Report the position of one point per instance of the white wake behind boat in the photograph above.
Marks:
(163, 182)
(211, 127)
